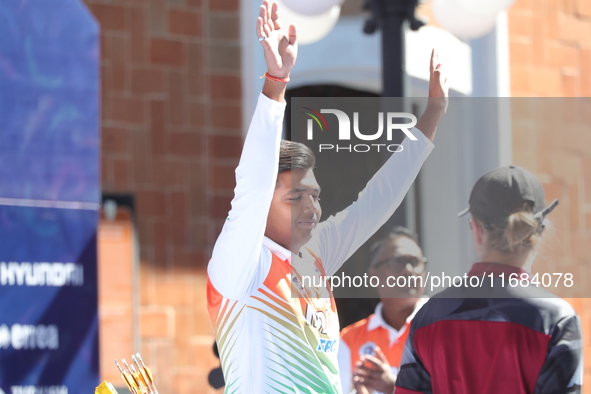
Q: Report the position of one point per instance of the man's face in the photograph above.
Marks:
(394, 259)
(295, 209)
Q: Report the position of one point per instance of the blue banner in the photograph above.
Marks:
(49, 101)
(49, 196)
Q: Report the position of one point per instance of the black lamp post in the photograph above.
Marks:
(389, 16)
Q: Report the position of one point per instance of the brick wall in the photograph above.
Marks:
(171, 135)
(550, 47)
(551, 137)
(550, 56)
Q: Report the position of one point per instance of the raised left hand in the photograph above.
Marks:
(438, 83)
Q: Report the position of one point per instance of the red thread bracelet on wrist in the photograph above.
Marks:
(275, 79)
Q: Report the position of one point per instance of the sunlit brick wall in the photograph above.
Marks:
(550, 48)
(550, 56)
(171, 135)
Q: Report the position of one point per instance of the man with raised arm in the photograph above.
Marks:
(270, 339)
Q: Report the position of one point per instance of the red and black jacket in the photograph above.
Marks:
(517, 340)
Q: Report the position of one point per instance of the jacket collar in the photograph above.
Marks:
(377, 320)
(479, 269)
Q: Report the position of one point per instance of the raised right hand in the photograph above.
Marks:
(280, 47)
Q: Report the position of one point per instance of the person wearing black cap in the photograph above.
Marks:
(497, 339)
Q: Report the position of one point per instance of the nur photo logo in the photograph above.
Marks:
(388, 122)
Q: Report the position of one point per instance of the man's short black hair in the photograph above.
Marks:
(295, 156)
(394, 234)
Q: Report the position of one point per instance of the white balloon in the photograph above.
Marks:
(309, 28)
(459, 21)
(486, 8)
(311, 7)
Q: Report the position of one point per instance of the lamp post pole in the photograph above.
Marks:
(389, 16)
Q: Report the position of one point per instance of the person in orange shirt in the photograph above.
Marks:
(371, 349)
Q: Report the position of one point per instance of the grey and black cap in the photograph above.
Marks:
(497, 194)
